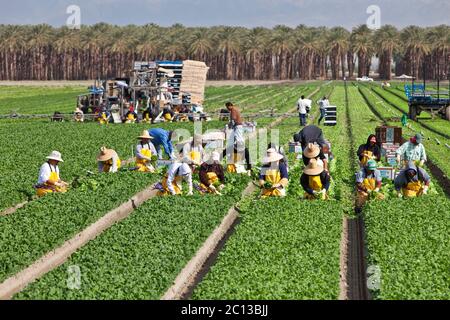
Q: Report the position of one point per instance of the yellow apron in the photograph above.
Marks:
(166, 191)
(274, 177)
(367, 155)
(142, 163)
(362, 197)
(315, 183)
(147, 118)
(231, 168)
(195, 156)
(108, 164)
(48, 188)
(212, 180)
(103, 119)
(413, 189)
(131, 118)
(168, 117)
(369, 184)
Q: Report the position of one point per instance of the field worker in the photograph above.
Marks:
(310, 134)
(168, 114)
(323, 104)
(108, 161)
(412, 181)
(131, 115)
(212, 177)
(368, 180)
(194, 150)
(49, 180)
(163, 138)
(172, 182)
(313, 151)
(78, 115)
(236, 125)
(315, 181)
(281, 151)
(145, 151)
(273, 178)
(369, 151)
(237, 159)
(413, 150)
(302, 108)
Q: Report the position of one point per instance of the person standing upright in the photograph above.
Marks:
(236, 125)
(302, 110)
(323, 104)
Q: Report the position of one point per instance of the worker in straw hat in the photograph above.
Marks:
(49, 180)
(145, 153)
(315, 181)
(412, 182)
(368, 181)
(313, 151)
(172, 183)
(413, 150)
(211, 173)
(108, 160)
(78, 115)
(194, 150)
(273, 178)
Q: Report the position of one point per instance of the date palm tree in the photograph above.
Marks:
(362, 44)
(387, 42)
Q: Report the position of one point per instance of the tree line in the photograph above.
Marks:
(42, 52)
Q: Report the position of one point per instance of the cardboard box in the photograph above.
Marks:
(295, 148)
(387, 172)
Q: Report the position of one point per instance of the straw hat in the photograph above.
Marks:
(55, 155)
(311, 151)
(145, 135)
(313, 169)
(272, 156)
(105, 154)
(78, 110)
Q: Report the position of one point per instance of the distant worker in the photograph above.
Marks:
(302, 108)
(315, 181)
(78, 115)
(168, 114)
(369, 151)
(412, 150)
(172, 182)
(323, 104)
(273, 178)
(163, 138)
(145, 153)
(108, 161)
(49, 180)
(412, 182)
(236, 125)
(313, 151)
(194, 150)
(238, 161)
(131, 115)
(368, 181)
(212, 177)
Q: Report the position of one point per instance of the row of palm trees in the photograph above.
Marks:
(41, 52)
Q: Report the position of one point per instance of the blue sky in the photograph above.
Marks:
(248, 13)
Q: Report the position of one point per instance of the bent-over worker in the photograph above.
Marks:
(49, 180)
(212, 177)
(145, 151)
(368, 180)
(194, 150)
(172, 182)
(236, 159)
(108, 161)
(163, 138)
(273, 178)
(412, 182)
(413, 150)
(315, 181)
(369, 151)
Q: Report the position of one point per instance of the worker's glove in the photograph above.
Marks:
(221, 187)
(425, 190)
(323, 191)
(315, 192)
(400, 195)
(276, 186)
(369, 191)
(377, 190)
(421, 163)
(212, 188)
(249, 173)
(190, 193)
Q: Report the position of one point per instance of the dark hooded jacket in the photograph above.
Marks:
(375, 149)
(403, 179)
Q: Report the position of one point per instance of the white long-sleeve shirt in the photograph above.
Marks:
(302, 106)
(148, 146)
(45, 171)
(179, 169)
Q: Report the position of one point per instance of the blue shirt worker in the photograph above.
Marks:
(163, 138)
